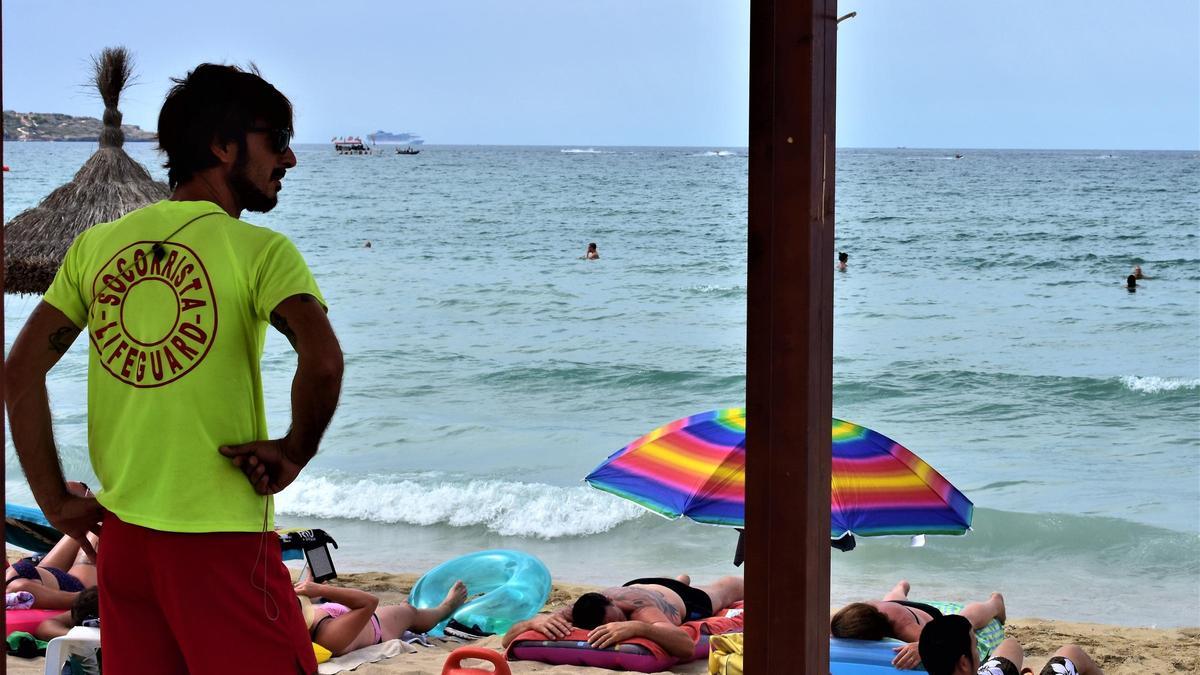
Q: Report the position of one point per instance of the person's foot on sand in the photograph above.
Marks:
(684, 579)
(1001, 612)
(455, 597)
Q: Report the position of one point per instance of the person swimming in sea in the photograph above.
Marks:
(592, 253)
(1131, 283)
(843, 258)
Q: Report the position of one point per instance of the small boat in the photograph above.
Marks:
(350, 145)
(407, 151)
(957, 156)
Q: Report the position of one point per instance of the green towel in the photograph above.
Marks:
(24, 645)
(987, 638)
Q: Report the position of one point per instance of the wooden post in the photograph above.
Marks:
(3, 405)
(789, 380)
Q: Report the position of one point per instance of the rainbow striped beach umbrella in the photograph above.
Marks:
(696, 468)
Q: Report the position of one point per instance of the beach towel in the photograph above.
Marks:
(18, 600)
(988, 638)
(27, 619)
(369, 654)
(638, 654)
(25, 645)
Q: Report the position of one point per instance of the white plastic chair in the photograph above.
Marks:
(79, 641)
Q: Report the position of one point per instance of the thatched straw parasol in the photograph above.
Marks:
(109, 185)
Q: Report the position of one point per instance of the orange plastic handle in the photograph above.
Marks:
(456, 657)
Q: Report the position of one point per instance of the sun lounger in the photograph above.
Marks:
(26, 527)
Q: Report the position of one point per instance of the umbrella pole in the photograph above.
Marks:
(790, 334)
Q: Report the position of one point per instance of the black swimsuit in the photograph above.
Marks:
(696, 603)
(26, 569)
(910, 605)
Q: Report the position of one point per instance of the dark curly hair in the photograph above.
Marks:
(215, 103)
(86, 606)
(588, 611)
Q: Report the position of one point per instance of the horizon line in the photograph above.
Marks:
(580, 145)
(737, 147)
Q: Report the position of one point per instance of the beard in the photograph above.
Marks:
(248, 194)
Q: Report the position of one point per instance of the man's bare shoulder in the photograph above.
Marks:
(644, 604)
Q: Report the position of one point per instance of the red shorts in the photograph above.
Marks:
(186, 603)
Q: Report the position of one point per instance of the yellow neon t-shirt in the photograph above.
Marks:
(173, 366)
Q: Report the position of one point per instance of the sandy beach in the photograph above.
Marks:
(1120, 650)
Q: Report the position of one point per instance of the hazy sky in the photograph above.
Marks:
(919, 73)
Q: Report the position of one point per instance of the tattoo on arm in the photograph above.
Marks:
(281, 323)
(61, 339)
(282, 326)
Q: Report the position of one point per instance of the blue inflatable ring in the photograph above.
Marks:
(511, 586)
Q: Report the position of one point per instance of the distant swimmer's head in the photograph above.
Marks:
(594, 609)
(592, 252)
(1131, 282)
(843, 256)
(1137, 271)
(860, 621)
(592, 247)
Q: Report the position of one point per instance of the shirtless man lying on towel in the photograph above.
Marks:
(651, 608)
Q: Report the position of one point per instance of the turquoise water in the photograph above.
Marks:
(983, 323)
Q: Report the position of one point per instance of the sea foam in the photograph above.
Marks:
(1154, 385)
(505, 507)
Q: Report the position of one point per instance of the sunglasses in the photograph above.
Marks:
(280, 138)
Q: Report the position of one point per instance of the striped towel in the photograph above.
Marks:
(987, 638)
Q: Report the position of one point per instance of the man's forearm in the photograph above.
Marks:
(315, 392)
(673, 639)
(33, 438)
(517, 628)
(563, 613)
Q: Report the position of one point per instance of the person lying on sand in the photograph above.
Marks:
(350, 619)
(57, 579)
(895, 616)
(651, 608)
(947, 647)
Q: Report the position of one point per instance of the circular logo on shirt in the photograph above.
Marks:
(153, 318)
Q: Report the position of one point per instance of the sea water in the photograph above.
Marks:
(983, 322)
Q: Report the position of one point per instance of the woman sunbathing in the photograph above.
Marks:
(898, 617)
(56, 580)
(351, 619)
